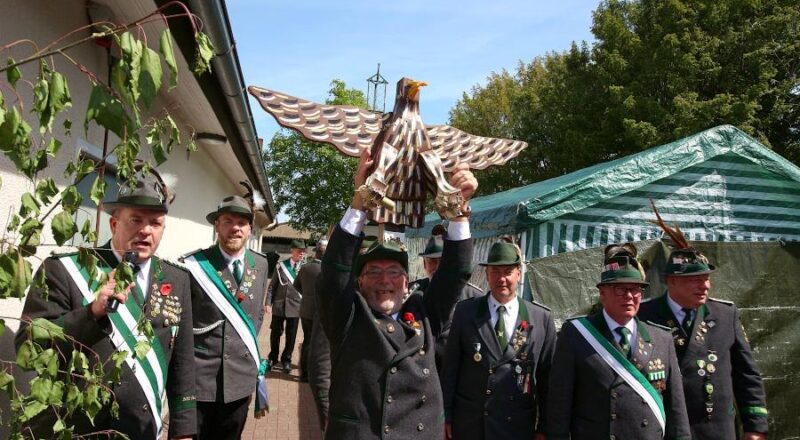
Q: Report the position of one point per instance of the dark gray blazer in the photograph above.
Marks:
(383, 378)
(588, 400)
(64, 306)
(225, 370)
(319, 369)
(282, 296)
(717, 333)
(304, 283)
(482, 396)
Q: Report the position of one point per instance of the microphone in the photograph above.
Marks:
(130, 258)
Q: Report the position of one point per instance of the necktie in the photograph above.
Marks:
(500, 328)
(237, 271)
(687, 321)
(624, 340)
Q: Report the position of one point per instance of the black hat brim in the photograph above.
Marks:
(213, 216)
(624, 281)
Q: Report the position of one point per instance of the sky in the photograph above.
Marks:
(299, 46)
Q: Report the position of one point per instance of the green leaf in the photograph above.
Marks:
(108, 112)
(14, 223)
(115, 372)
(79, 168)
(40, 388)
(46, 189)
(74, 398)
(146, 329)
(165, 47)
(158, 153)
(71, 199)
(28, 205)
(53, 147)
(31, 231)
(7, 383)
(63, 227)
(150, 76)
(98, 190)
(67, 127)
(56, 394)
(43, 361)
(14, 74)
(141, 348)
(58, 426)
(15, 274)
(32, 409)
(80, 363)
(91, 401)
(204, 51)
(2, 107)
(60, 97)
(41, 89)
(114, 409)
(88, 260)
(2, 326)
(44, 331)
(26, 355)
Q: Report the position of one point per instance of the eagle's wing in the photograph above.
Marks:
(346, 127)
(456, 146)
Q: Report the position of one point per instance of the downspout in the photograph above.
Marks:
(227, 69)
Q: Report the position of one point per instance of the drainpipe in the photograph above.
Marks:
(226, 67)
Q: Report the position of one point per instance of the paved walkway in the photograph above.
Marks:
(293, 415)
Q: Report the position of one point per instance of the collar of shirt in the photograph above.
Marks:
(676, 308)
(612, 325)
(512, 310)
(230, 259)
(142, 276)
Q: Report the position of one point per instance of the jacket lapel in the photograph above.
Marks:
(483, 324)
(643, 350)
(599, 322)
(702, 325)
(522, 315)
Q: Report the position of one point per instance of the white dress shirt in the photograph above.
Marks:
(612, 325)
(677, 310)
(509, 317)
(229, 259)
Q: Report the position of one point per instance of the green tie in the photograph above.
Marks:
(237, 271)
(500, 328)
(625, 340)
(687, 321)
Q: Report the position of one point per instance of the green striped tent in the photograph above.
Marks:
(718, 185)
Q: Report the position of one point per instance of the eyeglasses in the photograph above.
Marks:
(140, 222)
(622, 291)
(390, 273)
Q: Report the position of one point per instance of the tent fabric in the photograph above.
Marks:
(711, 164)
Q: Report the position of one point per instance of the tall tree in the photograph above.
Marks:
(657, 71)
(312, 182)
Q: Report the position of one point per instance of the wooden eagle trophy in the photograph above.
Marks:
(410, 158)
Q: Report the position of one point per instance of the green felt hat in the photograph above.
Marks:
(367, 242)
(232, 205)
(382, 251)
(621, 266)
(147, 192)
(503, 253)
(687, 262)
(434, 248)
(297, 244)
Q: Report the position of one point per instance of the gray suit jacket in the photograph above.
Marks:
(589, 400)
(64, 306)
(304, 283)
(319, 369)
(484, 396)
(383, 379)
(282, 296)
(717, 340)
(225, 369)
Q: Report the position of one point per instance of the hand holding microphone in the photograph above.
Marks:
(107, 299)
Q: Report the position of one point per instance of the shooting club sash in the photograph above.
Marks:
(209, 280)
(149, 371)
(286, 268)
(623, 367)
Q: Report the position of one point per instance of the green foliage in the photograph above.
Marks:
(205, 52)
(312, 182)
(63, 227)
(657, 71)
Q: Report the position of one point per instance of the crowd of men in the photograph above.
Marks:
(388, 358)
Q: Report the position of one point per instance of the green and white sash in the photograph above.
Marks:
(286, 268)
(623, 367)
(149, 371)
(206, 276)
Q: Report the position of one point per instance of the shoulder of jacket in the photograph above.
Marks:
(175, 264)
(721, 301)
(474, 286)
(189, 254)
(63, 254)
(572, 318)
(657, 325)
(540, 305)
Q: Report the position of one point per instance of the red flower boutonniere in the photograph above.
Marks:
(523, 325)
(520, 335)
(165, 289)
(240, 297)
(409, 319)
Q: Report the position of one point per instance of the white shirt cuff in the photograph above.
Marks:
(353, 221)
(457, 231)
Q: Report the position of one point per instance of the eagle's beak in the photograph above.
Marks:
(413, 89)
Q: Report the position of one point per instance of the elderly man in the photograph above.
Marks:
(498, 358)
(383, 380)
(431, 257)
(283, 301)
(229, 287)
(305, 283)
(159, 295)
(713, 352)
(614, 376)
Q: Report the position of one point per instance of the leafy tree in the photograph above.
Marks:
(657, 71)
(66, 382)
(312, 182)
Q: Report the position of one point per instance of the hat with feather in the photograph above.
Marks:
(621, 265)
(244, 206)
(684, 260)
(146, 189)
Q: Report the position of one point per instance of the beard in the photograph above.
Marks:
(232, 245)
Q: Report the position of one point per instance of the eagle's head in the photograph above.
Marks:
(408, 89)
